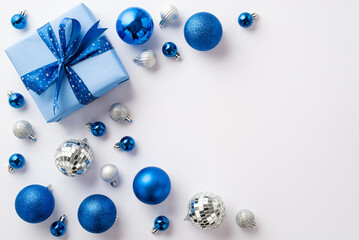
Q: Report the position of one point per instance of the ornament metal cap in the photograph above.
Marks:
(9, 93)
(154, 230)
(63, 218)
(10, 169)
(254, 16)
(23, 12)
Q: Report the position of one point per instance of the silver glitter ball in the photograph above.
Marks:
(205, 210)
(74, 157)
(146, 58)
(245, 219)
(109, 173)
(118, 112)
(169, 14)
(23, 130)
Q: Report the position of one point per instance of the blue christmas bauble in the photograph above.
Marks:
(134, 26)
(245, 19)
(151, 185)
(97, 213)
(34, 203)
(203, 31)
(127, 143)
(16, 161)
(98, 129)
(169, 49)
(18, 21)
(161, 223)
(16, 100)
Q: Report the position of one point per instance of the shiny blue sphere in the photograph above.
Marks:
(58, 229)
(127, 143)
(97, 213)
(169, 49)
(151, 185)
(203, 31)
(161, 223)
(34, 203)
(98, 129)
(245, 19)
(134, 26)
(16, 100)
(16, 161)
(18, 21)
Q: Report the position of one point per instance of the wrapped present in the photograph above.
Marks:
(67, 63)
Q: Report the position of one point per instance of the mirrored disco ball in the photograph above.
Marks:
(74, 157)
(205, 210)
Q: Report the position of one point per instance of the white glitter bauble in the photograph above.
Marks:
(118, 112)
(23, 130)
(245, 219)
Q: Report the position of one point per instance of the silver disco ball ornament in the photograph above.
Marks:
(205, 210)
(74, 157)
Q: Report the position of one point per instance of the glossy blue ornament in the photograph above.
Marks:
(18, 21)
(34, 203)
(151, 185)
(98, 129)
(203, 31)
(169, 49)
(58, 228)
(16, 100)
(246, 19)
(161, 224)
(97, 213)
(16, 161)
(126, 143)
(134, 26)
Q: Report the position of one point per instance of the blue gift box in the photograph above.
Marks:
(100, 73)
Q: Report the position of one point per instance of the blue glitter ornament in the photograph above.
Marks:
(34, 203)
(246, 19)
(134, 26)
(169, 49)
(16, 161)
(16, 100)
(126, 144)
(161, 224)
(18, 21)
(58, 228)
(151, 185)
(98, 129)
(97, 213)
(203, 31)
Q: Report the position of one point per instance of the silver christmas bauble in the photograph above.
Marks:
(118, 112)
(146, 58)
(74, 157)
(245, 219)
(205, 210)
(23, 130)
(109, 173)
(169, 14)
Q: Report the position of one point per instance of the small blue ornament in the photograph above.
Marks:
(16, 100)
(169, 49)
(203, 31)
(134, 26)
(246, 19)
(16, 161)
(34, 203)
(161, 224)
(18, 21)
(151, 185)
(98, 129)
(58, 228)
(126, 144)
(97, 213)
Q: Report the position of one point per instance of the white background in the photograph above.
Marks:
(268, 120)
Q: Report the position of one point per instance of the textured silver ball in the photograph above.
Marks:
(109, 173)
(245, 219)
(74, 157)
(205, 210)
(23, 130)
(146, 58)
(169, 14)
(118, 112)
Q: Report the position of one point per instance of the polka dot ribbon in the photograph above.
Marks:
(71, 50)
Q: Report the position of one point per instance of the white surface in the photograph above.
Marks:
(268, 120)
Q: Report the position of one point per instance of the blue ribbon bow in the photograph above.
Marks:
(69, 52)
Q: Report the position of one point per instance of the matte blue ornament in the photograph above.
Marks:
(161, 224)
(16, 161)
(151, 185)
(169, 49)
(203, 31)
(98, 129)
(126, 144)
(34, 203)
(58, 228)
(246, 19)
(97, 213)
(16, 100)
(18, 21)
(134, 26)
